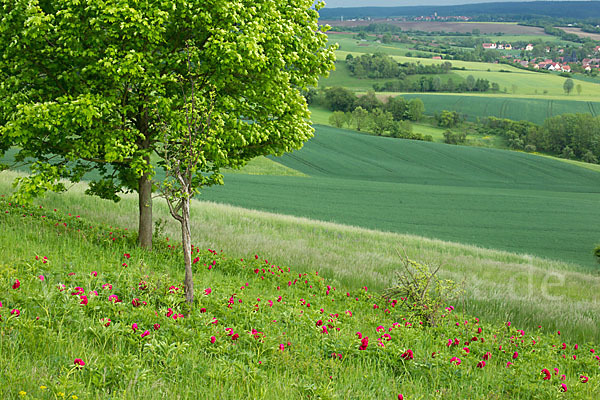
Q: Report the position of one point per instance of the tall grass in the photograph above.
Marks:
(499, 285)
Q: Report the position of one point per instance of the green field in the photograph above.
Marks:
(492, 198)
(473, 107)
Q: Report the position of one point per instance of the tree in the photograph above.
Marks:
(340, 99)
(369, 101)
(380, 121)
(568, 85)
(578, 88)
(337, 119)
(360, 116)
(91, 87)
(397, 106)
(416, 108)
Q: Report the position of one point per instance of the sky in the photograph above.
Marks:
(398, 3)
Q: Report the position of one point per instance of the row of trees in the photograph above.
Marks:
(435, 84)
(342, 99)
(378, 122)
(572, 136)
(380, 65)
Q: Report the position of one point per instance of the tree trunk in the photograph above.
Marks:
(186, 240)
(145, 205)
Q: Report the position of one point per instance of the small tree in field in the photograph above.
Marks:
(568, 86)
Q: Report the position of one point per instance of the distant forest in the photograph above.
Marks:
(485, 11)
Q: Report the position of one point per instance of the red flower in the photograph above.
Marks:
(408, 355)
(79, 362)
(400, 397)
(583, 378)
(481, 364)
(146, 333)
(547, 374)
(134, 326)
(213, 339)
(84, 300)
(564, 387)
(156, 327)
(235, 336)
(16, 284)
(487, 355)
(364, 343)
(515, 355)
(135, 302)
(16, 312)
(127, 255)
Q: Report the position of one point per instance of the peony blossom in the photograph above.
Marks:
(79, 362)
(547, 374)
(16, 284)
(156, 327)
(563, 387)
(15, 311)
(134, 326)
(481, 364)
(364, 343)
(146, 333)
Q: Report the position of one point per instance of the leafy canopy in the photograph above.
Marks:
(90, 85)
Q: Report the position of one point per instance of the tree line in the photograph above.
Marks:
(369, 114)
(381, 65)
(571, 136)
(435, 84)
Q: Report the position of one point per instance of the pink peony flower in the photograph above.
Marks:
(79, 362)
(16, 284)
(213, 339)
(408, 355)
(481, 364)
(547, 374)
(94, 273)
(42, 278)
(15, 311)
(364, 343)
(146, 333)
(515, 355)
(583, 378)
(134, 326)
(564, 387)
(84, 300)
(207, 291)
(281, 346)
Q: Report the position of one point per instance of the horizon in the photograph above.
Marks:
(410, 3)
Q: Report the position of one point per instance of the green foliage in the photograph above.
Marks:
(91, 88)
(597, 253)
(337, 119)
(416, 109)
(421, 291)
(340, 99)
(568, 86)
(447, 119)
(451, 137)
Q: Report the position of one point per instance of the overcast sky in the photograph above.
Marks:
(398, 3)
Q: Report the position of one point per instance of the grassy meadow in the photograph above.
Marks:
(93, 316)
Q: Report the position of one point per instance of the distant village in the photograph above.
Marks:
(562, 63)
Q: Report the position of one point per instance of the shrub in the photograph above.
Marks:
(421, 291)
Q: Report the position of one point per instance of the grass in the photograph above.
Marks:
(266, 166)
(257, 330)
(501, 106)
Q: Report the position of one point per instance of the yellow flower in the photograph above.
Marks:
(74, 397)
(43, 387)
(60, 394)
(22, 393)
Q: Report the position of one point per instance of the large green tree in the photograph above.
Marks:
(93, 85)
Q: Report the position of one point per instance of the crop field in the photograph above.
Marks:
(580, 33)
(492, 198)
(524, 83)
(341, 77)
(478, 106)
(462, 27)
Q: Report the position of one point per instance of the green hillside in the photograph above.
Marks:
(473, 107)
(492, 198)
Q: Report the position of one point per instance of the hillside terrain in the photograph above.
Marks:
(492, 198)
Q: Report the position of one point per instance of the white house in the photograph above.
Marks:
(529, 47)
